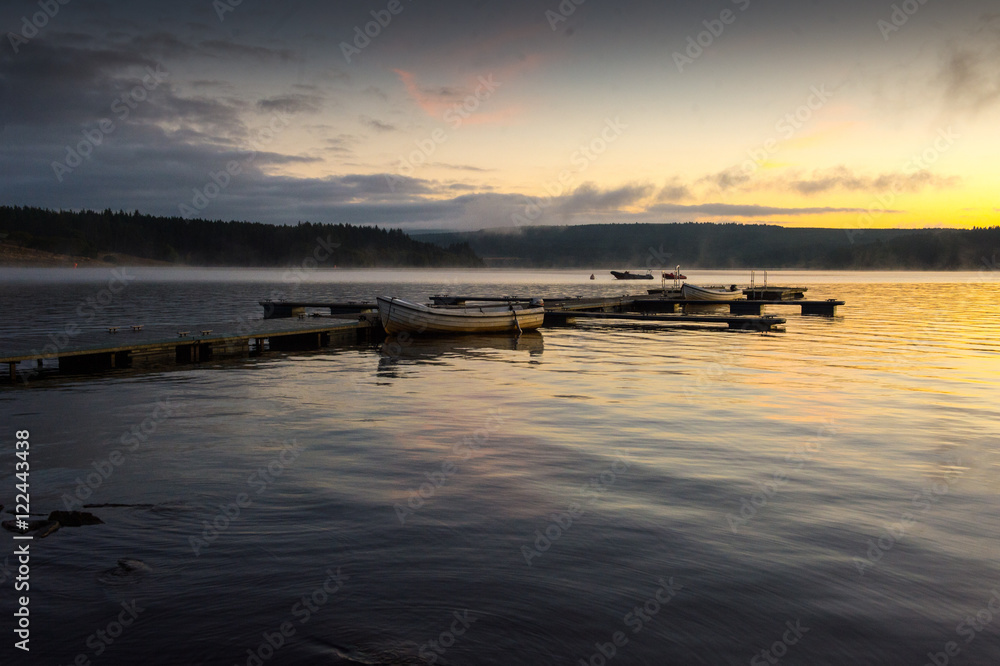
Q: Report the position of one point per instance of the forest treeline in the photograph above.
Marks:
(197, 242)
(101, 234)
(732, 246)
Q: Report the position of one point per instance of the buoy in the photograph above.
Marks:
(591, 276)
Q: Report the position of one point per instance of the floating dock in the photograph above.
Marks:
(355, 322)
(142, 349)
(285, 309)
(745, 306)
(765, 323)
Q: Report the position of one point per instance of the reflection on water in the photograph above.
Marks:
(416, 347)
(839, 479)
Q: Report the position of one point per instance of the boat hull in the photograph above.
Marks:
(694, 293)
(631, 276)
(399, 316)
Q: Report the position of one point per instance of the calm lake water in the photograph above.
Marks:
(599, 494)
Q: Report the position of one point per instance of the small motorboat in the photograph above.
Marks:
(674, 276)
(695, 293)
(400, 316)
(625, 275)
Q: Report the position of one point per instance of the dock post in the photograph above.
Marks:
(745, 307)
(13, 371)
(826, 308)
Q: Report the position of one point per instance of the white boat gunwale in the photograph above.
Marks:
(399, 315)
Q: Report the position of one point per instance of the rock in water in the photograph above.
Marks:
(133, 566)
(127, 572)
(75, 518)
(42, 528)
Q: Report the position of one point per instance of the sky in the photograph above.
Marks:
(451, 115)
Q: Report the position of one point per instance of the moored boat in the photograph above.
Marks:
(400, 316)
(695, 293)
(625, 275)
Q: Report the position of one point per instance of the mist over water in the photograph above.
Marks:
(606, 492)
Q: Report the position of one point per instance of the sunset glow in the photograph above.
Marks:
(446, 116)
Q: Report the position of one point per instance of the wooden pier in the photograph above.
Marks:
(285, 309)
(354, 322)
(827, 308)
(184, 347)
(765, 323)
(567, 310)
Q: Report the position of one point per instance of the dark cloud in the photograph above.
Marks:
(843, 178)
(228, 49)
(727, 179)
(969, 75)
(294, 103)
(461, 167)
(674, 190)
(743, 210)
(377, 125)
(342, 144)
(589, 198)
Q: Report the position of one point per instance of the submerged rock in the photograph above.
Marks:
(127, 572)
(41, 528)
(132, 566)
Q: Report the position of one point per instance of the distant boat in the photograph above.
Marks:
(695, 293)
(625, 275)
(674, 276)
(398, 316)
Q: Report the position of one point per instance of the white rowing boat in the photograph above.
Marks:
(695, 293)
(398, 316)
